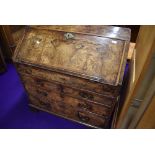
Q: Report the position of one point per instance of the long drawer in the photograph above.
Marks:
(68, 112)
(51, 95)
(83, 84)
(59, 88)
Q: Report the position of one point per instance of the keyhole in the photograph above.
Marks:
(68, 36)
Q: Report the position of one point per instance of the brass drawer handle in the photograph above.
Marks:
(42, 93)
(46, 105)
(39, 82)
(85, 106)
(61, 89)
(82, 117)
(86, 95)
(28, 71)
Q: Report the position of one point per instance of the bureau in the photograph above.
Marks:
(75, 72)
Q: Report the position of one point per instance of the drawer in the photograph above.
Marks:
(70, 113)
(67, 100)
(83, 84)
(73, 92)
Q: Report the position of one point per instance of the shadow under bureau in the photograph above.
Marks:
(74, 71)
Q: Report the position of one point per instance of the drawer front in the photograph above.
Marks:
(84, 95)
(76, 82)
(50, 95)
(69, 112)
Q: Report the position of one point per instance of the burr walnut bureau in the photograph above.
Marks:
(74, 71)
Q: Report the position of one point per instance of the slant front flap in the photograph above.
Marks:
(89, 56)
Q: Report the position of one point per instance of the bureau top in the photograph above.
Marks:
(97, 53)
